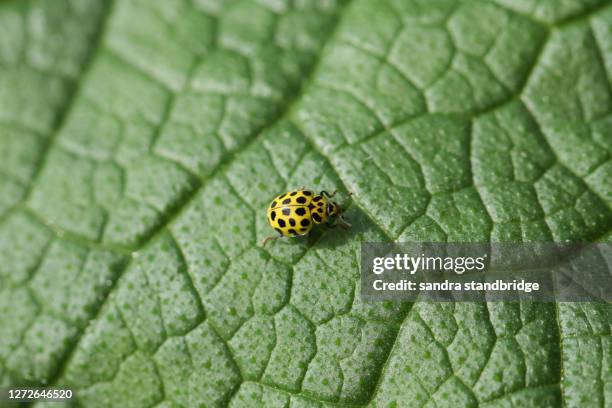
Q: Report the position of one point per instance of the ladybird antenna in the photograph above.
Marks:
(348, 195)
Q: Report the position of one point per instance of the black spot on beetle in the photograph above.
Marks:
(281, 196)
(286, 211)
(320, 204)
(307, 193)
(305, 222)
(292, 231)
(301, 200)
(293, 193)
(292, 222)
(273, 215)
(300, 211)
(303, 229)
(310, 206)
(316, 217)
(317, 198)
(287, 201)
(279, 231)
(273, 204)
(281, 223)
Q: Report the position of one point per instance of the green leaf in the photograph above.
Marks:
(142, 140)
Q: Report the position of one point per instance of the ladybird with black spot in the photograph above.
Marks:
(304, 208)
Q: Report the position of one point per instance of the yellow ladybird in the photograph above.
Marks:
(294, 213)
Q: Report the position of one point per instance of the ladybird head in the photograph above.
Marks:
(334, 209)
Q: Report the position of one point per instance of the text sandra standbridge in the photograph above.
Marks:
(541, 272)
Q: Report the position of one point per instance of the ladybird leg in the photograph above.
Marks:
(332, 224)
(270, 238)
(343, 223)
(327, 194)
